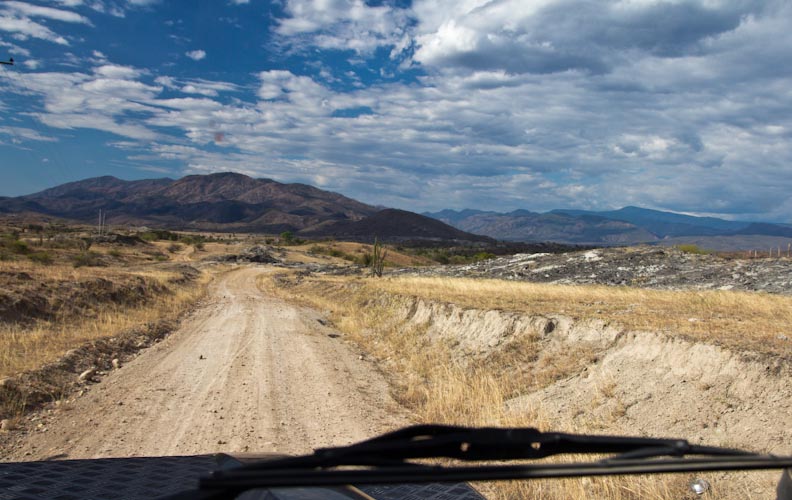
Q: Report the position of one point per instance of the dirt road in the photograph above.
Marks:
(245, 372)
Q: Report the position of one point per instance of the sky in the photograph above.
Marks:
(682, 105)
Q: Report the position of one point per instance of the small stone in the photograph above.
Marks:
(87, 375)
(360, 357)
(5, 425)
(116, 363)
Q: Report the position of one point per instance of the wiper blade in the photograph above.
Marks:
(385, 459)
(489, 443)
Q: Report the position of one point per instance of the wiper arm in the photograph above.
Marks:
(488, 443)
(385, 459)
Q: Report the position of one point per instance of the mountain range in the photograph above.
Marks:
(628, 225)
(230, 202)
(234, 202)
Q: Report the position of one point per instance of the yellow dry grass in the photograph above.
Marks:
(29, 346)
(438, 389)
(393, 257)
(742, 320)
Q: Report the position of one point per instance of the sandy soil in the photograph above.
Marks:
(245, 372)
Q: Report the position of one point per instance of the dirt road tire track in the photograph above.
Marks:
(245, 372)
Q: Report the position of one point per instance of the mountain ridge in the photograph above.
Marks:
(627, 225)
(228, 201)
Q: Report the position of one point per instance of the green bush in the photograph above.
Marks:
(483, 256)
(694, 249)
(20, 247)
(41, 257)
(159, 234)
(88, 259)
(366, 259)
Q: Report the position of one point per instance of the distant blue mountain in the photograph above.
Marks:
(667, 224)
(627, 225)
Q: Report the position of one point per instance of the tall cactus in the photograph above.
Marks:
(378, 258)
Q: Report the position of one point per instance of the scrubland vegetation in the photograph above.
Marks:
(61, 287)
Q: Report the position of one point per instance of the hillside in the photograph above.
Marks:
(231, 202)
(395, 225)
(224, 201)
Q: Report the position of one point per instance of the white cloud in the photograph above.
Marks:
(196, 55)
(20, 134)
(15, 49)
(17, 18)
(115, 71)
(28, 10)
(98, 122)
(24, 28)
(343, 24)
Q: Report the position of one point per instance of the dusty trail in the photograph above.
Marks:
(246, 372)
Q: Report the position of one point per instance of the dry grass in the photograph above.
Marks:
(29, 345)
(437, 388)
(719, 317)
(357, 250)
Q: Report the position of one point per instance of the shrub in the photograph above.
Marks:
(694, 249)
(20, 247)
(87, 258)
(366, 259)
(175, 247)
(155, 255)
(159, 234)
(41, 257)
(287, 237)
(12, 244)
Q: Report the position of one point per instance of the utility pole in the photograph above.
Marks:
(102, 222)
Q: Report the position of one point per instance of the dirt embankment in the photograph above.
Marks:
(609, 380)
(41, 293)
(498, 367)
(629, 381)
(245, 372)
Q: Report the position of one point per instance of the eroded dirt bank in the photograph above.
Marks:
(572, 375)
(627, 382)
(245, 372)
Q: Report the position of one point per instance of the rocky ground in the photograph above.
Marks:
(651, 267)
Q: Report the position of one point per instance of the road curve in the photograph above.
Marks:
(245, 372)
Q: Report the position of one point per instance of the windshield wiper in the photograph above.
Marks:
(385, 459)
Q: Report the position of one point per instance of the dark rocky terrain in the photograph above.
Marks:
(650, 267)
